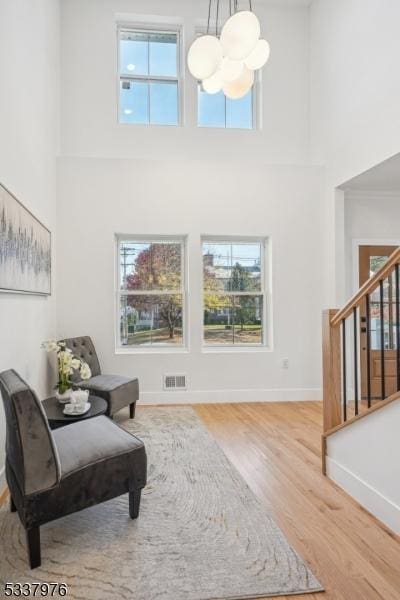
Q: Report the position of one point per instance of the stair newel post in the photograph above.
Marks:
(331, 371)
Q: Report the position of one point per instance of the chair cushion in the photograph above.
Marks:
(118, 391)
(106, 383)
(99, 461)
(91, 441)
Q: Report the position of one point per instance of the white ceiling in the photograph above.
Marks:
(285, 2)
(383, 177)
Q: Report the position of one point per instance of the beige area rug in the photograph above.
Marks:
(201, 533)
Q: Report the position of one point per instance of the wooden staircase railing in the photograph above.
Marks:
(345, 396)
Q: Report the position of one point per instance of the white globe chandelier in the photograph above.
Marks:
(228, 61)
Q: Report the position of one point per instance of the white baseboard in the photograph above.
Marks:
(227, 396)
(381, 507)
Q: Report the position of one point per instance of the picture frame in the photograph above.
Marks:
(25, 249)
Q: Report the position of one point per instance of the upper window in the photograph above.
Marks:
(148, 77)
(234, 292)
(216, 110)
(151, 292)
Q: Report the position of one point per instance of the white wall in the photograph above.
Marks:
(362, 459)
(99, 197)
(355, 88)
(29, 38)
(185, 180)
(89, 88)
(354, 100)
(369, 218)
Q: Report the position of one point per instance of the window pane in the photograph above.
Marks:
(217, 266)
(163, 54)
(134, 53)
(239, 113)
(232, 267)
(151, 320)
(151, 266)
(164, 103)
(135, 266)
(246, 267)
(247, 320)
(134, 102)
(211, 109)
(218, 320)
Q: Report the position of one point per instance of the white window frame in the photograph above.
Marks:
(151, 29)
(156, 348)
(256, 99)
(265, 292)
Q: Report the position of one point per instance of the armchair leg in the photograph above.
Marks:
(134, 503)
(13, 508)
(33, 541)
(132, 409)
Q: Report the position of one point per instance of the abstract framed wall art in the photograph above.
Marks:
(25, 249)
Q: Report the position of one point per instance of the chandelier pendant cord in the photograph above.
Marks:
(233, 8)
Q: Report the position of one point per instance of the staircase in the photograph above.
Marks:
(361, 394)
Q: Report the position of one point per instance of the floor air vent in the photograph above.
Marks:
(174, 382)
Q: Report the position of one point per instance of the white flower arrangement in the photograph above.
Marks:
(67, 364)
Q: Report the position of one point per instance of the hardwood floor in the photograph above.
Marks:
(277, 449)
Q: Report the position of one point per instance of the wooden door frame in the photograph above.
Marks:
(356, 243)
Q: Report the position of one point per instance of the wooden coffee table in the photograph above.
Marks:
(56, 418)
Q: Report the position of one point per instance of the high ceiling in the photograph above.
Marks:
(383, 177)
(285, 2)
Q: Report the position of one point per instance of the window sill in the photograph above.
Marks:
(159, 350)
(235, 349)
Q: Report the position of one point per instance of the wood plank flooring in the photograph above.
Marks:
(277, 449)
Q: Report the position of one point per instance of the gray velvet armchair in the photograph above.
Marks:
(118, 391)
(51, 474)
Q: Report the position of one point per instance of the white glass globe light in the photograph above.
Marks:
(213, 84)
(204, 56)
(240, 35)
(239, 88)
(259, 56)
(231, 69)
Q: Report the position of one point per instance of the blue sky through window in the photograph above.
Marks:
(215, 110)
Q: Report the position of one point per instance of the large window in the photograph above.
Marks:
(234, 292)
(148, 77)
(151, 292)
(216, 110)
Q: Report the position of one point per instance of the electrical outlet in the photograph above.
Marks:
(285, 363)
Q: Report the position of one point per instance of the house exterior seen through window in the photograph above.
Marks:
(233, 292)
(151, 292)
(148, 77)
